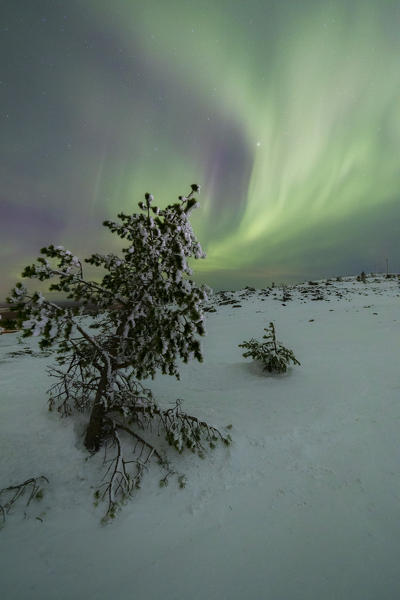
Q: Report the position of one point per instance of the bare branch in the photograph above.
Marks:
(17, 491)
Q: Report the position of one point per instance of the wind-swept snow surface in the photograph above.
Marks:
(304, 505)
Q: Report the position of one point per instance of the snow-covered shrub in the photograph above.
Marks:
(271, 353)
(146, 315)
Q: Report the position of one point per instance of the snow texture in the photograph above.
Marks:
(304, 505)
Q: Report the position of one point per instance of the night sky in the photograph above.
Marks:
(286, 112)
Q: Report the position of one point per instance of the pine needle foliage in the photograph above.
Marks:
(271, 353)
(146, 315)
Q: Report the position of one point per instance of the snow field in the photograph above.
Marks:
(304, 505)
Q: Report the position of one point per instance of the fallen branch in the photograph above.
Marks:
(17, 491)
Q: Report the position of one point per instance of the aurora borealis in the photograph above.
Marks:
(287, 114)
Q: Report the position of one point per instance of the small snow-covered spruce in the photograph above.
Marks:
(146, 315)
(273, 355)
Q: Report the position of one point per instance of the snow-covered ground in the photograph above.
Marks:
(305, 504)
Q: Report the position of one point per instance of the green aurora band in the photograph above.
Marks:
(287, 113)
(314, 90)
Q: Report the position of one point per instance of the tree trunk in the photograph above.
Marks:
(95, 428)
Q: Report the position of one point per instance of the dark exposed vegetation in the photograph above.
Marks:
(30, 489)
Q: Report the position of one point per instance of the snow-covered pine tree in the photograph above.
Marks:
(271, 353)
(146, 315)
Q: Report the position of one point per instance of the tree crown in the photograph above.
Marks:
(146, 309)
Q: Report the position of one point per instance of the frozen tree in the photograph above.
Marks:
(271, 353)
(145, 316)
